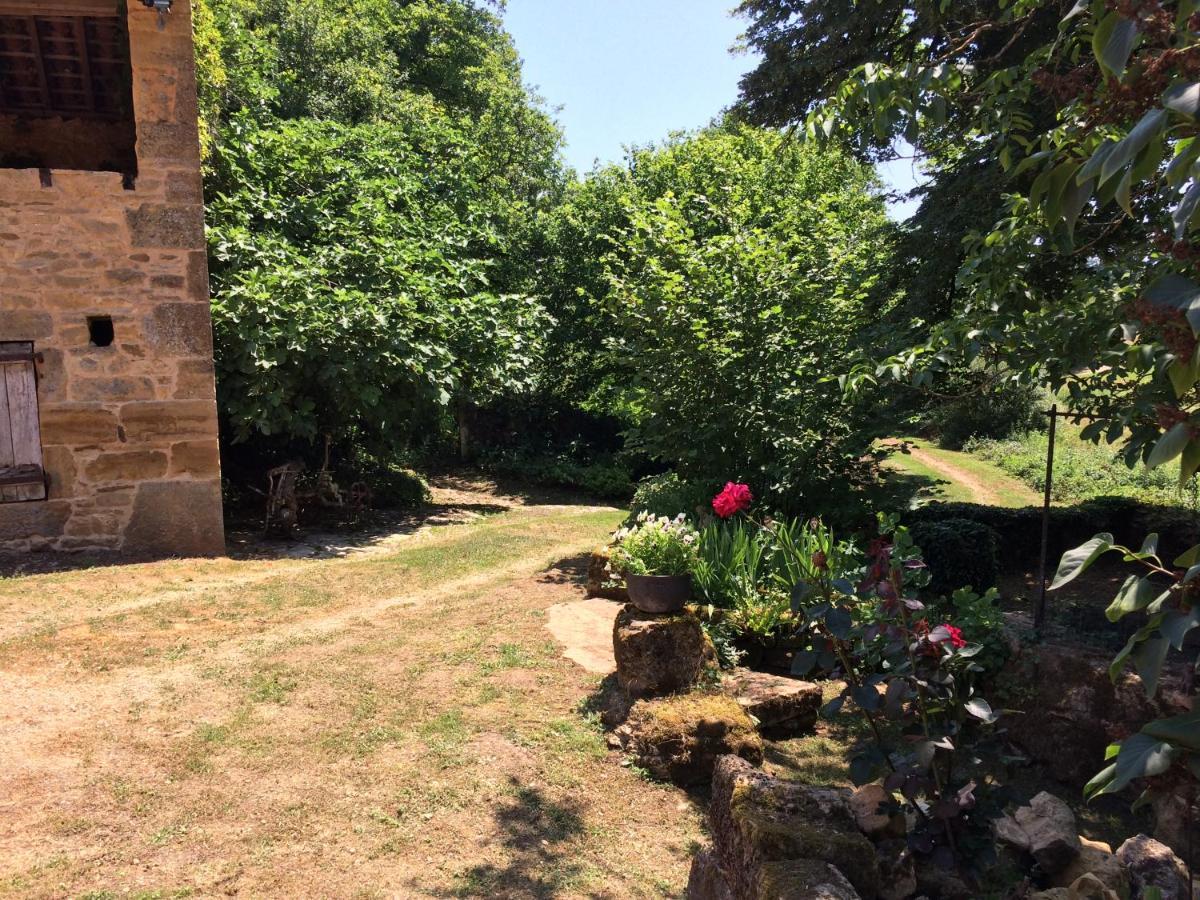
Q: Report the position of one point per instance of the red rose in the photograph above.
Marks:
(947, 632)
(732, 500)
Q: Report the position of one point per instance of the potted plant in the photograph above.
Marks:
(656, 555)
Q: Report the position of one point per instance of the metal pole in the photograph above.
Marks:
(1039, 614)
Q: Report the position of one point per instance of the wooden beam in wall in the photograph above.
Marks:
(90, 8)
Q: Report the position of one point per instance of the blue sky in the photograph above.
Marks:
(631, 71)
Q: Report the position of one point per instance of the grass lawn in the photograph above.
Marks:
(930, 473)
(398, 724)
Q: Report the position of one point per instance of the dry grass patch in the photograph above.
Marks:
(385, 726)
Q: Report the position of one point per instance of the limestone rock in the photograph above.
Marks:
(1097, 860)
(600, 581)
(1050, 826)
(897, 871)
(870, 805)
(659, 655)
(809, 879)
(706, 881)
(784, 707)
(1008, 832)
(1085, 887)
(757, 820)
(680, 738)
(1152, 864)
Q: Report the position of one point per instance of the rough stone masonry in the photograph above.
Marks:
(128, 431)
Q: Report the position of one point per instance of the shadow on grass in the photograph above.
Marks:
(572, 570)
(536, 836)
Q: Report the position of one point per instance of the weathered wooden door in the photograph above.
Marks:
(21, 474)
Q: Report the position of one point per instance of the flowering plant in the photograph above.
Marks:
(656, 545)
(733, 499)
(901, 669)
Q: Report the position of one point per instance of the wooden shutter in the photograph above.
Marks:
(21, 474)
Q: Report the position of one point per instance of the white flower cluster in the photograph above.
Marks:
(645, 521)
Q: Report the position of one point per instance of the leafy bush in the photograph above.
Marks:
(669, 495)
(979, 617)
(655, 546)
(904, 668)
(395, 487)
(607, 479)
(746, 270)
(959, 552)
(986, 409)
(1082, 470)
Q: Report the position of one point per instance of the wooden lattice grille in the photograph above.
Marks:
(64, 66)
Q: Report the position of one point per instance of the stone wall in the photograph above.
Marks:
(129, 431)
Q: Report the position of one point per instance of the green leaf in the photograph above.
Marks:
(1182, 216)
(1183, 99)
(1148, 660)
(1100, 781)
(1141, 756)
(1124, 187)
(1188, 558)
(1113, 42)
(1135, 595)
(1075, 562)
(1132, 144)
(1189, 464)
(1177, 624)
(1170, 445)
(1182, 730)
(839, 623)
(1180, 166)
(980, 709)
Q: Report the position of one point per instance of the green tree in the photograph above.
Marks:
(740, 278)
(1085, 114)
(376, 173)
(352, 279)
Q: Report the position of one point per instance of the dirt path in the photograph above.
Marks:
(981, 492)
(391, 723)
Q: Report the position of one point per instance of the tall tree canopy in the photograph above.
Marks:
(1070, 128)
(375, 172)
(712, 288)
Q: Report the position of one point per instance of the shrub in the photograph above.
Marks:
(1082, 470)
(1020, 529)
(997, 412)
(669, 495)
(656, 546)
(981, 620)
(393, 486)
(601, 478)
(958, 552)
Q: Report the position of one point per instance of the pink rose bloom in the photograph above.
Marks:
(732, 500)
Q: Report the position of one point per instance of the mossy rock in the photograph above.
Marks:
(658, 655)
(679, 738)
(803, 879)
(758, 820)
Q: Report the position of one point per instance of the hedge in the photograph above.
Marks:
(1020, 530)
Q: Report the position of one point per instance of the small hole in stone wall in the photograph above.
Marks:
(100, 330)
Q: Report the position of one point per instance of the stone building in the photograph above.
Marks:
(108, 431)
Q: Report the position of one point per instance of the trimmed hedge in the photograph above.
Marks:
(1020, 530)
(959, 553)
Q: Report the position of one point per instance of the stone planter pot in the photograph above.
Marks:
(659, 593)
